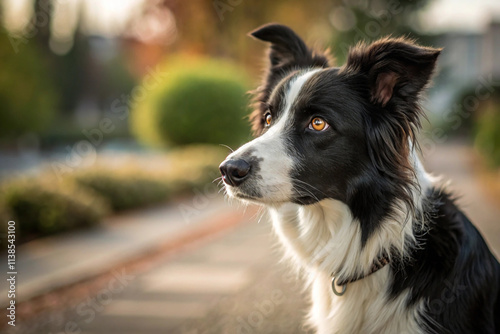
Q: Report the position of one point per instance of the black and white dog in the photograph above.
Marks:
(384, 247)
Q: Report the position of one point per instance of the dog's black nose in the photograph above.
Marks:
(234, 172)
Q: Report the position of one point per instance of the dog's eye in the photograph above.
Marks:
(318, 124)
(268, 119)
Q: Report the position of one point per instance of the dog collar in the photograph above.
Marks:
(376, 266)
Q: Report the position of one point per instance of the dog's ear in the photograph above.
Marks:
(287, 52)
(392, 72)
(287, 48)
(396, 68)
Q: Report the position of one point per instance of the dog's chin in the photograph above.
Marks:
(268, 200)
(253, 199)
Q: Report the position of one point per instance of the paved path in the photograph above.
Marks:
(453, 162)
(230, 285)
(234, 283)
(50, 263)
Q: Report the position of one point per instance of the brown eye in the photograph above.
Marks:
(268, 119)
(318, 124)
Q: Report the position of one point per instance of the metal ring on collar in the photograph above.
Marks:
(338, 293)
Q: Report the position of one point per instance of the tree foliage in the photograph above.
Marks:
(27, 97)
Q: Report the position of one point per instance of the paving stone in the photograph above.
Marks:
(157, 309)
(197, 278)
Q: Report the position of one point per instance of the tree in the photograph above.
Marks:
(27, 97)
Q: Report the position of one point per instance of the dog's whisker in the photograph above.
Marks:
(309, 185)
(308, 192)
(226, 146)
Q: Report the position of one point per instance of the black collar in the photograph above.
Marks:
(378, 264)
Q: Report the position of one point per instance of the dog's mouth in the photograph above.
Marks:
(301, 200)
(247, 197)
(253, 198)
(239, 194)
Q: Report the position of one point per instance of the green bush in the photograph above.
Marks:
(27, 97)
(487, 134)
(124, 189)
(192, 167)
(180, 171)
(5, 216)
(42, 206)
(198, 101)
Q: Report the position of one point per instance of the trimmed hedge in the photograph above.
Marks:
(181, 171)
(198, 101)
(5, 216)
(43, 206)
(124, 189)
(487, 134)
(193, 166)
(27, 98)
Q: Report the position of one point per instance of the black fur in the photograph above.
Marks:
(454, 270)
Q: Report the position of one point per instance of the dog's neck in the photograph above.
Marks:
(325, 237)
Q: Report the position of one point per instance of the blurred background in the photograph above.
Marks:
(114, 116)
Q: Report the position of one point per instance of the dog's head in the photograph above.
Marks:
(332, 132)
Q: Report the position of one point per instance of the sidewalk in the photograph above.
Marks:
(233, 283)
(453, 163)
(50, 263)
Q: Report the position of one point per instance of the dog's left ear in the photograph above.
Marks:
(395, 71)
(395, 67)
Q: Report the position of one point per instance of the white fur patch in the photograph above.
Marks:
(273, 179)
(364, 308)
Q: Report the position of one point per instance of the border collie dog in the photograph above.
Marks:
(383, 246)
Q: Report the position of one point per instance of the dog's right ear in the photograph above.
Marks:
(287, 49)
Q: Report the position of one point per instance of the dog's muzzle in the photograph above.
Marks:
(234, 172)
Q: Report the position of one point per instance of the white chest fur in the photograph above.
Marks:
(323, 239)
(364, 308)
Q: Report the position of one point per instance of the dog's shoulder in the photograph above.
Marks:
(452, 268)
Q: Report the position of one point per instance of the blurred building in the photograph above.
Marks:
(467, 59)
